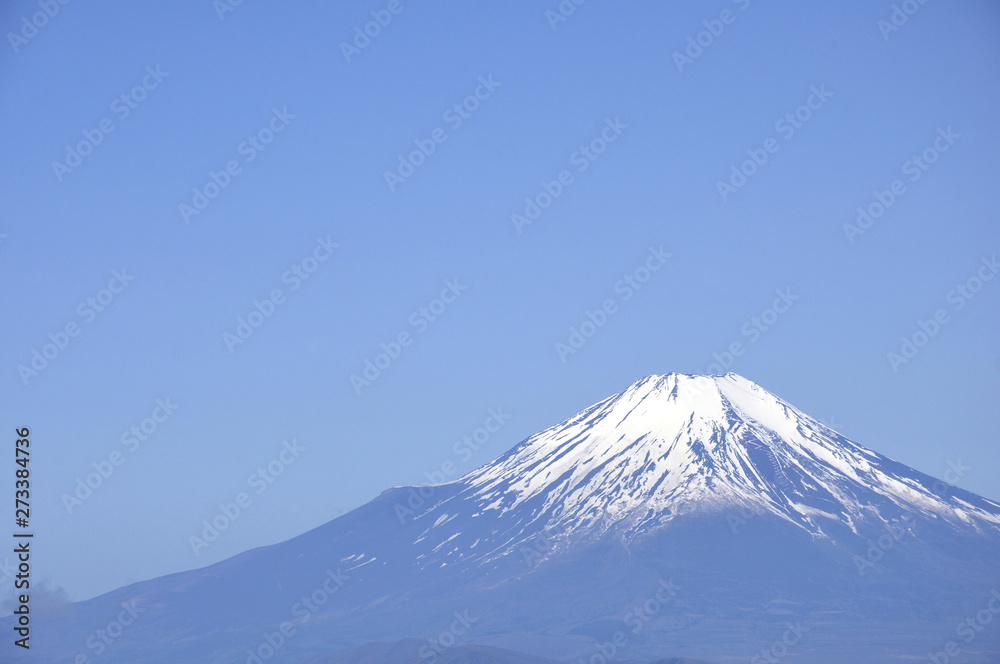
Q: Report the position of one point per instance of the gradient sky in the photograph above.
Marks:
(162, 337)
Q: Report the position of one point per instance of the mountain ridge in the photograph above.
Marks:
(550, 548)
(738, 444)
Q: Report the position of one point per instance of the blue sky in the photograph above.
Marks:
(307, 216)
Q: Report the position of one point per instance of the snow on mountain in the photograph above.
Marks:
(677, 444)
(550, 548)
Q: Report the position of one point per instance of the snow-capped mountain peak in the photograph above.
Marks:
(677, 444)
(576, 527)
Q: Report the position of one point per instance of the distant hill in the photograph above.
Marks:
(409, 651)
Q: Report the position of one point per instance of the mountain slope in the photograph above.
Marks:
(410, 651)
(697, 516)
(675, 445)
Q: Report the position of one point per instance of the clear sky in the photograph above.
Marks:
(116, 114)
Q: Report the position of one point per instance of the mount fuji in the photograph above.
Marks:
(695, 517)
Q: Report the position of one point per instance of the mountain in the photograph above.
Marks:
(408, 650)
(692, 517)
(673, 446)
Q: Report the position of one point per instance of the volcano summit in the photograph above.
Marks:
(686, 516)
